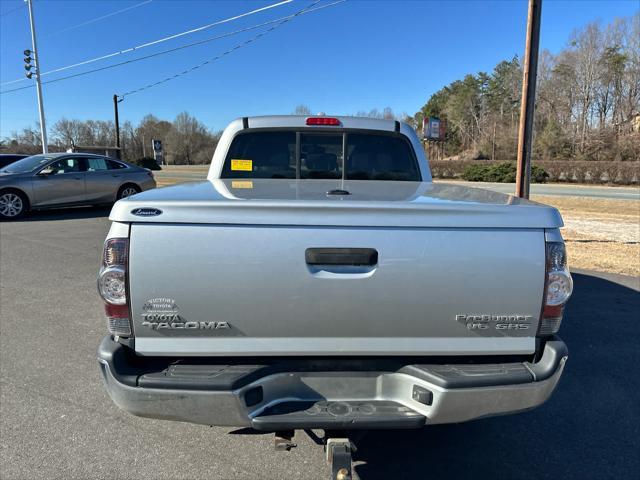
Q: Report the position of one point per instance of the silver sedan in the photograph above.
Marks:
(68, 179)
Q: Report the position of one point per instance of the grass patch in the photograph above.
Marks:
(601, 234)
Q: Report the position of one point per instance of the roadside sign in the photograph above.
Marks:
(433, 128)
(158, 154)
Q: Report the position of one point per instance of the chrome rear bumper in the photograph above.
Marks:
(307, 395)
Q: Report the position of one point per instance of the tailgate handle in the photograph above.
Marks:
(341, 256)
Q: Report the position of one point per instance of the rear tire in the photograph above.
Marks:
(13, 204)
(127, 190)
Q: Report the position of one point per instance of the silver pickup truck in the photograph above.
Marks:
(318, 279)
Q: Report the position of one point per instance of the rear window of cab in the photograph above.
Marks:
(308, 154)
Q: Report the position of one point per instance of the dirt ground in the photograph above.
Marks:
(600, 234)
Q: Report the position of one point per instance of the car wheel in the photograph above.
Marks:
(127, 191)
(12, 204)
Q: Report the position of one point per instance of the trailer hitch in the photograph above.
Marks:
(338, 452)
(283, 441)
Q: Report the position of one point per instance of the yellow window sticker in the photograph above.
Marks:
(242, 184)
(242, 165)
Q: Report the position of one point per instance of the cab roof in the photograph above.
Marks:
(284, 121)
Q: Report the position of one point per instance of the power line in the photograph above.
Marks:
(8, 12)
(308, 10)
(97, 19)
(211, 60)
(200, 42)
(161, 40)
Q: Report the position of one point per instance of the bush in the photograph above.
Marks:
(575, 171)
(475, 173)
(147, 162)
(500, 173)
(598, 172)
(447, 168)
(538, 174)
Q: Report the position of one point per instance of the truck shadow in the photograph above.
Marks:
(588, 428)
(72, 213)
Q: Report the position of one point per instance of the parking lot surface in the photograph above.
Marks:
(56, 420)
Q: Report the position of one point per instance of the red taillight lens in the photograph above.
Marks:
(553, 310)
(557, 290)
(116, 311)
(112, 285)
(323, 121)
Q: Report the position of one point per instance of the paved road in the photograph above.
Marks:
(559, 189)
(189, 174)
(56, 420)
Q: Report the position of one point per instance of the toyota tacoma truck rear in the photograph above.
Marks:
(318, 279)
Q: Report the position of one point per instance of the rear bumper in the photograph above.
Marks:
(330, 394)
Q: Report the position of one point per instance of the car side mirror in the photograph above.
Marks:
(47, 171)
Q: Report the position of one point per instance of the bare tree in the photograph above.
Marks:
(189, 141)
(26, 141)
(587, 44)
(388, 114)
(66, 133)
(302, 110)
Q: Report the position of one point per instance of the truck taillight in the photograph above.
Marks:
(558, 288)
(112, 286)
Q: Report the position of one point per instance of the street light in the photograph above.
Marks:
(36, 66)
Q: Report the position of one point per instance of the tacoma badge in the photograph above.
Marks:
(174, 322)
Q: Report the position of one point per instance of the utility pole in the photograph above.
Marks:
(527, 103)
(117, 121)
(36, 56)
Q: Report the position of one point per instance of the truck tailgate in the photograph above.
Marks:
(234, 290)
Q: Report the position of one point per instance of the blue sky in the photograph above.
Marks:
(354, 56)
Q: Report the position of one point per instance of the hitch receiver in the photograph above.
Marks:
(338, 451)
(283, 441)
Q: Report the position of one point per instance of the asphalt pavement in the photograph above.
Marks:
(56, 420)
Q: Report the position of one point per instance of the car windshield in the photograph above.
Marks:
(26, 165)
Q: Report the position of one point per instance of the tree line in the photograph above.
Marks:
(587, 101)
(186, 140)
